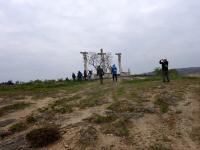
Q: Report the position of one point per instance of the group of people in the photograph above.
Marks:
(86, 75)
(100, 73)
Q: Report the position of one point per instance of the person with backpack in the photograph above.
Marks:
(100, 73)
(90, 74)
(79, 76)
(114, 73)
(165, 72)
(85, 75)
(73, 76)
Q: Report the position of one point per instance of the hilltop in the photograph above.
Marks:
(135, 113)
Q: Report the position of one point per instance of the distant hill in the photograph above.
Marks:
(189, 71)
(181, 71)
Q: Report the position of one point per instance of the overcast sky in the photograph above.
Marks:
(42, 39)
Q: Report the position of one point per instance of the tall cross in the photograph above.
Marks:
(102, 54)
(85, 60)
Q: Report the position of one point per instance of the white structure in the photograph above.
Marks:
(85, 60)
(102, 54)
(119, 61)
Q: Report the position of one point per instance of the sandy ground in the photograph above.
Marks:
(160, 131)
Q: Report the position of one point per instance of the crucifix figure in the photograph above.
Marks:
(85, 60)
(119, 61)
(102, 54)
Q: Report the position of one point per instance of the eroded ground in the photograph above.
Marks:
(130, 115)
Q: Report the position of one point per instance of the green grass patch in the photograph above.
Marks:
(13, 107)
(41, 89)
(90, 102)
(142, 80)
(164, 106)
(31, 119)
(118, 128)
(64, 105)
(18, 127)
(121, 91)
(96, 118)
(122, 106)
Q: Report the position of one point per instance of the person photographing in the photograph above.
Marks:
(165, 70)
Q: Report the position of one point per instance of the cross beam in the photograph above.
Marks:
(102, 54)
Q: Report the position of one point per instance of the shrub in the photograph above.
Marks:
(102, 119)
(43, 136)
(164, 106)
(16, 106)
(122, 106)
(20, 126)
(31, 119)
(118, 127)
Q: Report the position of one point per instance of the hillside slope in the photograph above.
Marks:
(133, 114)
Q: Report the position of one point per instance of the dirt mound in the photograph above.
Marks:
(88, 135)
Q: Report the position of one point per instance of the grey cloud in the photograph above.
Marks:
(43, 38)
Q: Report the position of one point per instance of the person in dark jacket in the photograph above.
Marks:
(85, 75)
(90, 74)
(73, 76)
(79, 76)
(114, 73)
(165, 72)
(100, 73)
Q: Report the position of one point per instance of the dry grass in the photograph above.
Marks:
(13, 107)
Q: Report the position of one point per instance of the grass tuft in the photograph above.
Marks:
(164, 107)
(96, 118)
(31, 119)
(13, 107)
(18, 127)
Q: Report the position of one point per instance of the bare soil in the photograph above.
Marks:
(139, 120)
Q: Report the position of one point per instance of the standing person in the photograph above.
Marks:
(100, 73)
(165, 72)
(114, 73)
(79, 75)
(73, 76)
(90, 74)
(85, 74)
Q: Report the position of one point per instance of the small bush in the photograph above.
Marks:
(118, 127)
(43, 136)
(65, 108)
(31, 119)
(160, 146)
(164, 107)
(18, 127)
(102, 119)
(88, 103)
(16, 106)
(122, 106)
(88, 135)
